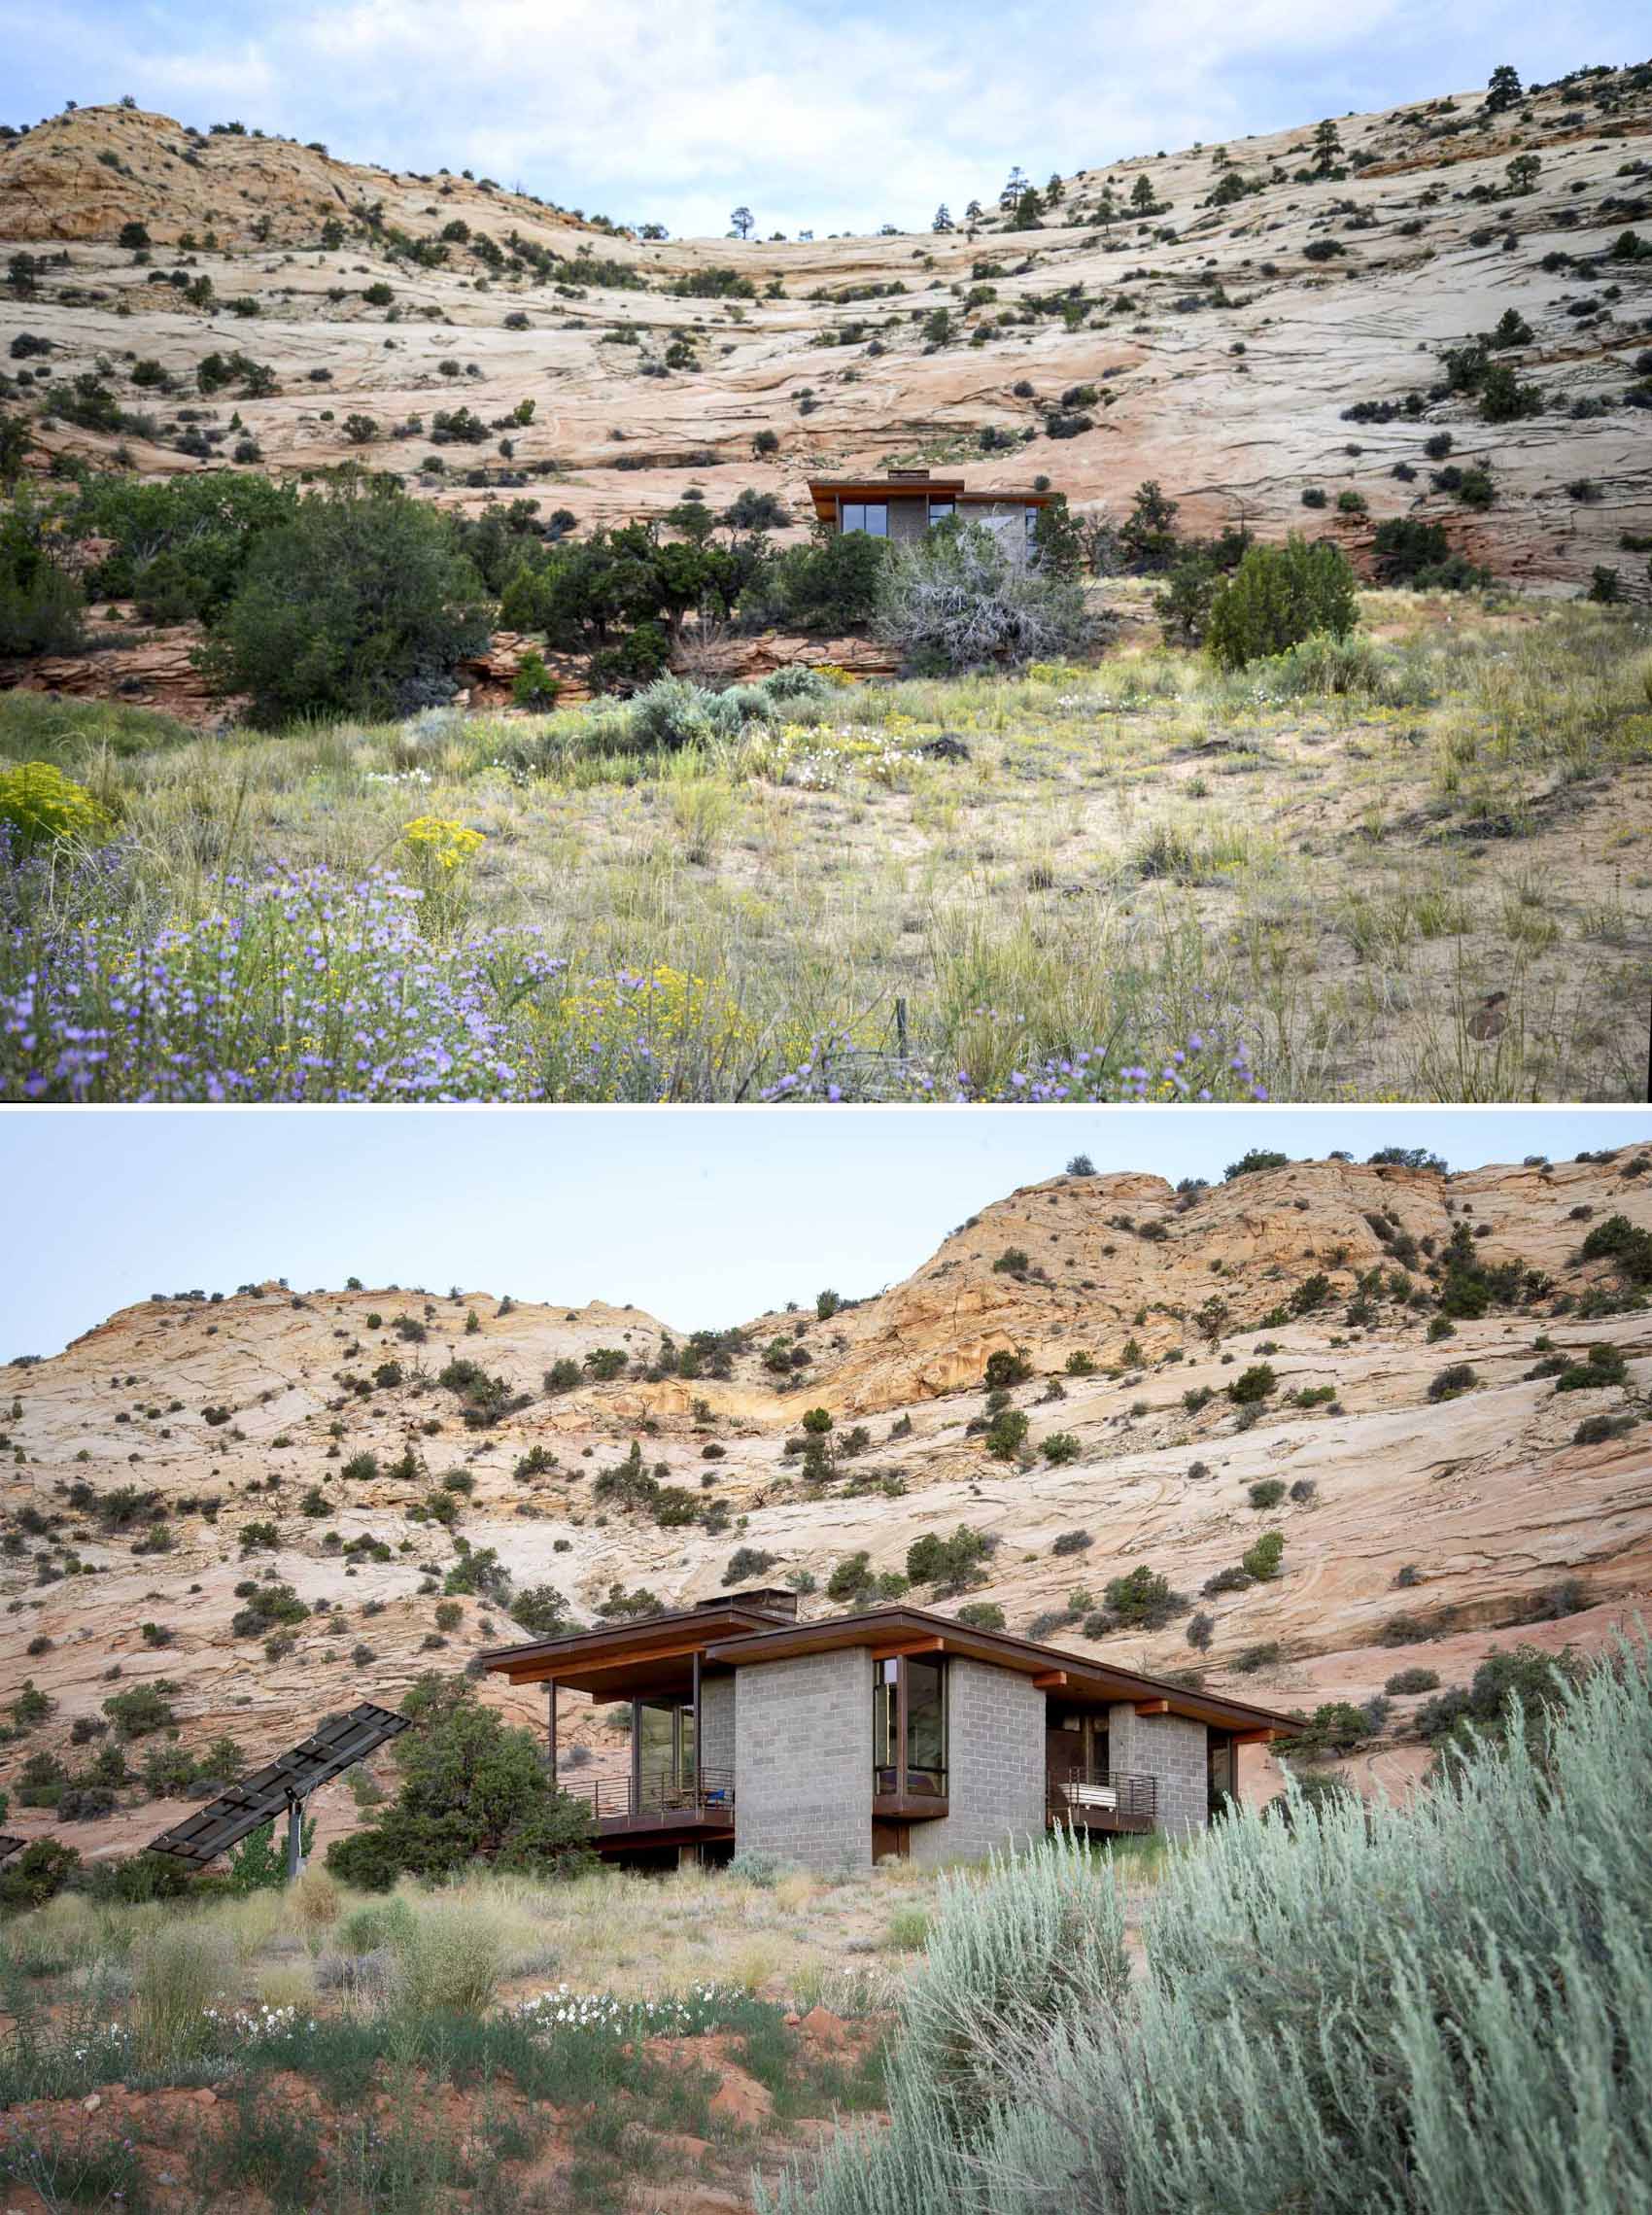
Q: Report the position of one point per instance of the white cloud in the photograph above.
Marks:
(676, 111)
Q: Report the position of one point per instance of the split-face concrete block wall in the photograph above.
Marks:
(1172, 1748)
(995, 1766)
(717, 1722)
(803, 1760)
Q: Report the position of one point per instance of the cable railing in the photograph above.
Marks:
(1116, 1797)
(626, 1802)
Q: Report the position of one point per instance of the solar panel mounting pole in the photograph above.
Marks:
(295, 1838)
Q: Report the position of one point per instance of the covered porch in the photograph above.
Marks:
(679, 1788)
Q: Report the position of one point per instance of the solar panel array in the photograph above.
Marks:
(336, 1744)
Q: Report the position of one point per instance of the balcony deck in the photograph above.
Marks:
(1102, 1799)
(658, 1811)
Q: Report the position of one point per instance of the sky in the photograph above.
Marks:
(703, 1216)
(827, 117)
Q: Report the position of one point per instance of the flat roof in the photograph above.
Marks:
(823, 491)
(616, 1659)
(899, 1628)
(628, 1658)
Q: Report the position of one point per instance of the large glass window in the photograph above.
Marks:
(665, 1745)
(926, 1725)
(909, 1712)
(941, 511)
(869, 515)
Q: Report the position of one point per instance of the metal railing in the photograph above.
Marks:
(621, 1802)
(1104, 1796)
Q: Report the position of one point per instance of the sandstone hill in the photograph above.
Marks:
(1417, 1530)
(1216, 343)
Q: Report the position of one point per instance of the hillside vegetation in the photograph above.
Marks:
(364, 486)
(1326, 1434)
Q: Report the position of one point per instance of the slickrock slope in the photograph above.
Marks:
(259, 1408)
(1225, 342)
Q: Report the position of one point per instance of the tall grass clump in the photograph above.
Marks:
(450, 1962)
(178, 1972)
(1444, 2007)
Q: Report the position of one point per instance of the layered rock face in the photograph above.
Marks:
(1215, 340)
(320, 1440)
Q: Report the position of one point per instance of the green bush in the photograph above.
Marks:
(1261, 1560)
(357, 606)
(41, 604)
(40, 807)
(180, 546)
(1006, 1434)
(1279, 596)
(142, 1709)
(1253, 1385)
(1625, 1245)
(1142, 1600)
(36, 1874)
(1464, 2004)
(472, 1789)
(951, 1564)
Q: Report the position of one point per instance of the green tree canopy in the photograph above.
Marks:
(474, 1788)
(357, 605)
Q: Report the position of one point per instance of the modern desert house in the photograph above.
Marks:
(904, 504)
(845, 1741)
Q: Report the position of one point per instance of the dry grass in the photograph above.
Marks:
(458, 1946)
(1132, 852)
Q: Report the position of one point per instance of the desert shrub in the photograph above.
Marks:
(36, 1874)
(1509, 1696)
(982, 1615)
(40, 603)
(357, 605)
(39, 807)
(1470, 1950)
(1279, 596)
(1407, 1681)
(1006, 1434)
(1451, 1382)
(1071, 1542)
(1335, 1727)
(1625, 1245)
(1004, 1369)
(950, 1564)
(1252, 1386)
(141, 1709)
(1261, 1560)
(1061, 1446)
(745, 1563)
(831, 585)
(1604, 1365)
(1142, 1600)
(472, 1789)
(960, 599)
(1268, 1493)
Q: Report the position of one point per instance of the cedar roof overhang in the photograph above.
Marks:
(886, 1631)
(826, 492)
(653, 1656)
